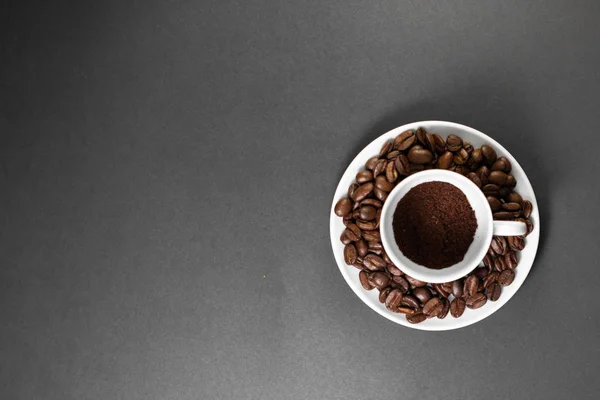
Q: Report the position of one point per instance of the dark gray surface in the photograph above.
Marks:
(168, 169)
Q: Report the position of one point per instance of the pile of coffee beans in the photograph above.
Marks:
(411, 152)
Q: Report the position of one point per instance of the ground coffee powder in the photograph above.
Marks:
(434, 225)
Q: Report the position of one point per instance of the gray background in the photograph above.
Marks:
(167, 174)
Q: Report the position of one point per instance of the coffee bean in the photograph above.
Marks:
(372, 236)
(410, 301)
(416, 168)
(468, 147)
(401, 283)
(402, 165)
(364, 176)
(386, 148)
(372, 162)
(476, 301)
(505, 215)
(499, 245)
(361, 248)
(446, 160)
(483, 173)
(499, 264)
(477, 156)
(375, 247)
(488, 261)
(480, 272)
(498, 178)
(350, 234)
(395, 271)
(404, 310)
(422, 293)
(506, 277)
(470, 286)
(445, 308)
(491, 190)
(510, 260)
(430, 145)
(392, 155)
(393, 299)
(511, 182)
(489, 154)
(390, 172)
(420, 156)
(432, 307)
(501, 164)
(363, 191)
(474, 178)
(367, 213)
(371, 202)
(514, 197)
(421, 136)
(453, 143)
(379, 168)
(387, 260)
(415, 282)
(494, 203)
(440, 289)
(352, 189)
(380, 194)
(345, 239)
(527, 207)
(404, 140)
(379, 279)
(511, 206)
(493, 292)
(490, 278)
(529, 226)
(416, 317)
(363, 276)
(342, 207)
(383, 294)
(350, 254)
(457, 307)
(375, 260)
(440, 143)
(461, 157)
(382, 183)
(516, 243)
(457, 288)
(461, 169)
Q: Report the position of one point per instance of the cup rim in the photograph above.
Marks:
(423, 273)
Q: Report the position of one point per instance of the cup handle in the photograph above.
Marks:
(509, 228)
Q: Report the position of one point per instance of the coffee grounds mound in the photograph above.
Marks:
(434, 225)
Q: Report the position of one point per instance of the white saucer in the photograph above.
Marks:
(526, 257)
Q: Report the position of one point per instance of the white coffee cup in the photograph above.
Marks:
(486, 227)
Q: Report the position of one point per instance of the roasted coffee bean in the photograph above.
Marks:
(342, 207)
(402, 165)
(361, 247)
(415, 282)
(350, 254)
(468, 147)
(447, 287)
(386, 148)
(422, 293)
(350, 234)
(498, 178)
(379, 168)
(363, 276)
(390, 172)
(393, 299)
(355, 230)
(493, 292)
(372, 162)
(374, 246)
(440, 143)
(511, 206)
(364, 176)
(510, 260)
(505, 215)
(476, 301)
(420, 155)
(375, 260)
(501, 164)
(471, 284)
(372, 236)
(439, 288)
(379, 279)
(461, 169)
(483, 173)
(367, 213)
(527, 207)
(371, 202)
(457, 288)
(511, 182)
(392, 155)
(395, 271)
(421, 136)
(476, 156)
(384, 294)
(488, 261)
(474, 178)
(491, 190)
(453, 143)
(416, 168)
(529, 226)
(410, 301)
(432, 307)
(499, 245)
(387, 260)
(405, 310)
(416, 317)
(401, 283)
(446, 160)
(382, 183)
(359, 264)
(516, 243)
(504, 192)
(506, 277)
(499, 264)
(352, 189)
(494, 203)
(461, 157)
(345, 239)
(490, 278)
(445, 308)
(363, 191)
(514, 197)
(430, 145)
(380, 194)
(489, 154)
(404, 140)
(457, 307)
(480, 272)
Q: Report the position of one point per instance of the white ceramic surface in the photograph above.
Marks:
(526, 257)
(481, 241)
